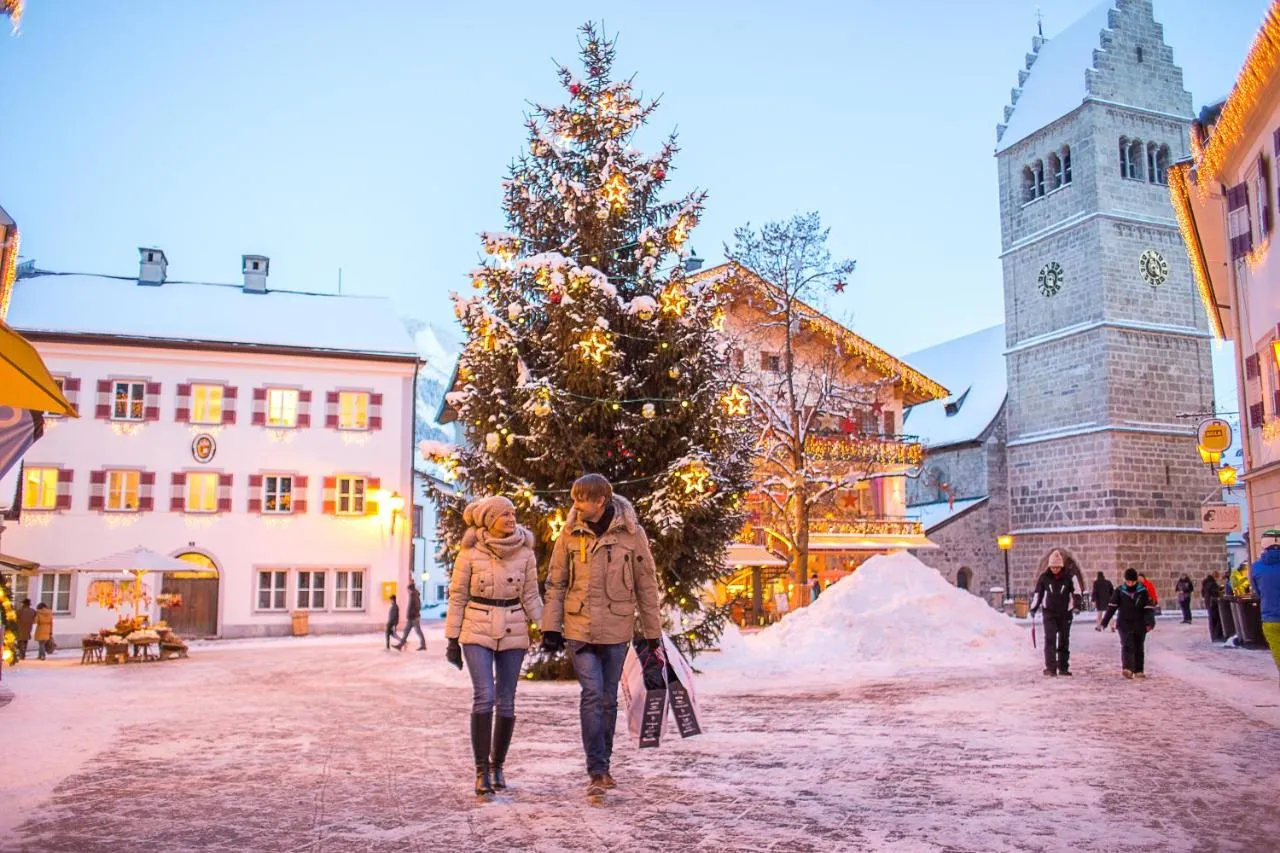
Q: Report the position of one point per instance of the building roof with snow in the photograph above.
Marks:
(933, 515)
(973, 368)
(117, 309)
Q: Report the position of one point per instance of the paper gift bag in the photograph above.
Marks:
(680, 692)
(646, 709)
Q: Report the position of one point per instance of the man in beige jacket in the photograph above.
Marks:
(601, 573)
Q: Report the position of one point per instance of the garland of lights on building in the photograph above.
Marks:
(864, 449)
(1180, 193)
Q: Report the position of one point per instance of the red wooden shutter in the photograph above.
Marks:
(65, 476)
(329, 497)
(1256, 415)
(1264, 196)
(151, 412)
(304, 409)
(228, 404)
(103, 409)
(375, 411)
(146, 485)
(259, 407)
(299, 494)
(331, 410)
(182, 414)
(71, 389)
(97, 483)
(255, 493)
(1239, 228)
(224, 492)
(178, 492)
(371, 485)
(1252, 367)
(1275, 402)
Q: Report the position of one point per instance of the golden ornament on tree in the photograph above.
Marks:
(615, 190)
(674, 300)
(595, 346)
(736, 401)
(695, 477)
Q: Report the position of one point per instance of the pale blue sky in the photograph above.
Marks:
(372, 136)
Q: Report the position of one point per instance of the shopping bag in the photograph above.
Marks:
(646, 709)
(680, 691)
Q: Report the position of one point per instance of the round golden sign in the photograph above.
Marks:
(203, 448)
(1214, 435)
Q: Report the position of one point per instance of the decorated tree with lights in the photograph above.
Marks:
(588, 349)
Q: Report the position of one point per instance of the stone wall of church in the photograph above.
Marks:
(967, 542)
(961, 467)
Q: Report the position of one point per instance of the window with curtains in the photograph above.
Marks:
(206, 404)
(122, 491)
(282, 407)
(39, 488)
(353, 410)
(202, 492)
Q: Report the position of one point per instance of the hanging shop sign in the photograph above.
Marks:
(1220, 518)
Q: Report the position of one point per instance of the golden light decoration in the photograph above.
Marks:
(717, 320)
(606, 104)
(1227, 476)
(595, 346)
(1180, 195)
(680, 231)
(674, 300)
(555, 525)
(615, 190)
(695, 477)
(736, 401)
(8, 265)
(865, 449)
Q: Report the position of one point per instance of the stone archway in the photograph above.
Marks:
(1070, 565)
(964, 579)
(197, 616)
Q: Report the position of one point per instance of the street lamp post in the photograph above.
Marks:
(1005, 542)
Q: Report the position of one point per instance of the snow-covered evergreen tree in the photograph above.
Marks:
(588, 350)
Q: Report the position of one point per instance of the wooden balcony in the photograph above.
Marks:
(865, 449)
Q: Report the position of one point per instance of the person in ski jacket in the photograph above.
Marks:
(1056, 593)
(601, 574)
(493, 599)
(1210, 593)
(413, 619)
(1184, 589)
(1151, 588)
(1238, 581)
(1137, 617)
(393, 619)
(1102, 589)
(1265, 580)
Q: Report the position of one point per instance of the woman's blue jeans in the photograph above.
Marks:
(494, 676)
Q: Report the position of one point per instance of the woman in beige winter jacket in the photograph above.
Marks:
(493, 598)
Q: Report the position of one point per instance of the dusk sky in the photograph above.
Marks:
(372, 137)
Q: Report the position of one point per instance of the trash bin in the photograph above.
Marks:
(997, 597)
(1020, 608)
(1228, 618)
(299, 623)
(1248, 613)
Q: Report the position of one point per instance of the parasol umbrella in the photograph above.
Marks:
(25, 382)
(135, 563)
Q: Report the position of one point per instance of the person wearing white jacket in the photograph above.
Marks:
(493, 597)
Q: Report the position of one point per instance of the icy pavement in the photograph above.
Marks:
(332, 744)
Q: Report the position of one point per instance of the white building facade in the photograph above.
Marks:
(264, 436)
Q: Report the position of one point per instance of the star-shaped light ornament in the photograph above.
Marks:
(595, 346)
(680, 231)
(615, 191)
(695, 478)
(674, 300)
(849, 500)
(555, 526)
(736, 401)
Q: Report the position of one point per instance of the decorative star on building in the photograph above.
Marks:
(615, 190)
(849, 500)
(877, 407)
(695, 478)
(839, 286)
(736, 401)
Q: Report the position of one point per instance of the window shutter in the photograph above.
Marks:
(65, 476)
(371, 485)
(299, 494)
(1275, 402)
(1239, 228)
(331, 410)
(228, 404)
(151, 410)
(146, 487)
(259, 407)
(375, 411)
(182, 413)
(71, 390)
(304, 409)
(1256, 415)
(1264, 196)
(1252, 367)
(178, 492)
(255, 493)
(103, 409)
(224, 492)
(97, 484)
(329, 496)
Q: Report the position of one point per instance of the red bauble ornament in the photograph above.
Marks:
(554, 297)
(574, 89)
(595, 71)
(659, 173)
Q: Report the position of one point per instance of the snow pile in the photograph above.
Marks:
(893, 613)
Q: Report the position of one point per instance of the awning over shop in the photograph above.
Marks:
(741, 554)
(25, 382)
(9, 563)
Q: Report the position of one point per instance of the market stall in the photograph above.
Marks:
(118, 584)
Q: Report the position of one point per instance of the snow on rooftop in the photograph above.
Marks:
(893, 613)
(1057, 82)
(972, 367)
(931, 515)
(208, 313)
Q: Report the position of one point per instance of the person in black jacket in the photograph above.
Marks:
(1056, 592)
(413, 619)
(1185, 589)
(1210, 592)
(1102, 589)
(1137, 617)
(393, 619)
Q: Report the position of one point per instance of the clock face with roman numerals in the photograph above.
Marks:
(1154, 268)
(1050, 279)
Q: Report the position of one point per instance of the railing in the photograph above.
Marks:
(874, 449)
(869, 527)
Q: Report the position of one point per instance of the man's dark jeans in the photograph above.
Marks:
(409, 627)
(599, 668)
(1057, 640)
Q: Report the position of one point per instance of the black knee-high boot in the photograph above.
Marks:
(481, 740)
(502, 728)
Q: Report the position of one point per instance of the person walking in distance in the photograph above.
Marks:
(1102, 589)
(413, 619)
(815, 589)
(493, 598)
(1210, 593)
(1137, 617)
(1055, 592)
(1184, 589)
(44, 629)
(393, 619)
(601, 573)
(26, 621)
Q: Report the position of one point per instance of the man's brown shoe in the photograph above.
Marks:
(608, 781)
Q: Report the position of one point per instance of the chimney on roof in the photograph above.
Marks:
(152, 266)
(255, 269)
(693, 263)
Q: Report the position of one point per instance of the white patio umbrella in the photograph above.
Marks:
(134, 563)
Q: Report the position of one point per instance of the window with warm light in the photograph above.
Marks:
(282, 407)
(348, 590)
(277, 494)
(271, 590)
(202, 492)
(206, 404)
(353, 410)
(310, 590)
(350, 496)
(130, 401)
(39, 488)
(122, 491)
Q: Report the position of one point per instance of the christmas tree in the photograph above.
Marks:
(588, 350)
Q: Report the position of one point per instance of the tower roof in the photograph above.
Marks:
(1054, 82)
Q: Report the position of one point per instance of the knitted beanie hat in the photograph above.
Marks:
(483, 512)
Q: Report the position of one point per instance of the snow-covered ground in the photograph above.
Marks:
(879, 726)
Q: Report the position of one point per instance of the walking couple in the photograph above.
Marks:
(601, 574)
